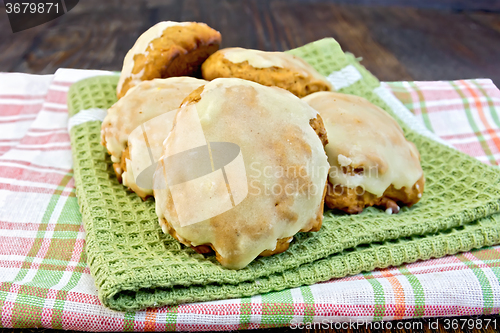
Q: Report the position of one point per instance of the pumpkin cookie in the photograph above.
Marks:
(265, 174)
(371, 162)
(167, 49)
(143, 102)
(267, 68)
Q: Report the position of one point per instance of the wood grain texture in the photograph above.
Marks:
(396, 41)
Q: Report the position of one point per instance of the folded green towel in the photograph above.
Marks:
(136, 266)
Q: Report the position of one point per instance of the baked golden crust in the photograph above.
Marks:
(319, 127)
(179, 51)
(194, 96)
(295, 79)
(122, 167)
(281, 245)
(354, 200)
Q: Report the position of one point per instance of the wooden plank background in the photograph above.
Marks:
(398, 40)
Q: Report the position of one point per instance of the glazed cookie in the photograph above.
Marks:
(372, 163)
(246, 170)
(143, 102)
(268, 68)
(144, 149)
(167, 49)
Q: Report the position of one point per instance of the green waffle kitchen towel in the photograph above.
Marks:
(136, 266)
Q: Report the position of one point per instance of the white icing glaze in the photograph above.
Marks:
(141, 46)
(156, 131)
(263, 59)
(361, 135)
(344, 161)
(271, 127)
(143, 102)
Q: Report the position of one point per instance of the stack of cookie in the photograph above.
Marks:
(243, 159)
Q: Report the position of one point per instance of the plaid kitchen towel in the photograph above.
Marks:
(135, 265)
(464, 113)
(45, 281)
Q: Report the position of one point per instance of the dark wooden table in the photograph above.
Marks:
(439, 40)
(397, 39)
